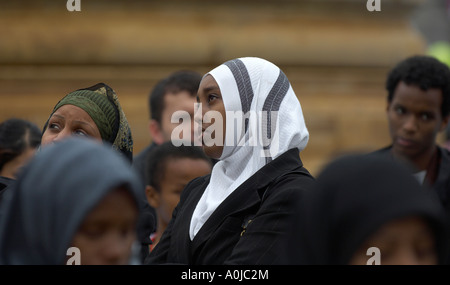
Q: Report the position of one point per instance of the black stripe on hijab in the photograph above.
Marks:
(244, 84)
(272, 103)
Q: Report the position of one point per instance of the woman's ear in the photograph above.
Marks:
(152, 196)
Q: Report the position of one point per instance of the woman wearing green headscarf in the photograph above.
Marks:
(93, 112)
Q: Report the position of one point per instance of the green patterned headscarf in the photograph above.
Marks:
(102, 104)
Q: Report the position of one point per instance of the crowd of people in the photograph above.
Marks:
(245, 196)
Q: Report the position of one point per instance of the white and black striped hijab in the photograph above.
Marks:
(272, 124)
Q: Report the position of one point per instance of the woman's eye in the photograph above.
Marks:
(212, 97)
(80, 133)
(53, 126)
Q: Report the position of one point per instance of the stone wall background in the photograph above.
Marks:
(335, 53)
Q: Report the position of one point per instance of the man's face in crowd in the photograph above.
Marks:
(415, 119)
(181, 101)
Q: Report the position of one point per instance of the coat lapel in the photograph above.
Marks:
(246, 196)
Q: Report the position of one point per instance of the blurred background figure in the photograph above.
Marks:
(364, 201)
(170, 169)
(418, 109)
(176, 92)
(76, 193)
(19, 140)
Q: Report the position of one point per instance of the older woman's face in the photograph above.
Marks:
(67, 121)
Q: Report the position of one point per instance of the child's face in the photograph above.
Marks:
(177, 174)
(406, 241)
(109, 230)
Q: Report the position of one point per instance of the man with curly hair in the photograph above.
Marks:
(418, 108)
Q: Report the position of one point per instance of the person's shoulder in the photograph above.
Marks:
(295, 180)
(381, 151)
(289, 170)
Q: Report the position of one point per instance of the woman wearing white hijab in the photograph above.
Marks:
(240, 213)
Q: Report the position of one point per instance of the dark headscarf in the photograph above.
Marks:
(354, 197)
(53, 195)
(102, 104)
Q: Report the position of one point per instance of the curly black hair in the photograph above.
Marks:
(425, 72)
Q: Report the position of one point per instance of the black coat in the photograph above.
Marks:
(249, 227)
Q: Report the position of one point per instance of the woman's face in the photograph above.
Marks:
(107, 233)
(407, 241)
(67, 121)
(213, 117)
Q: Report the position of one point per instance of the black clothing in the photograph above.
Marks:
(248, 227)
(353, 197)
